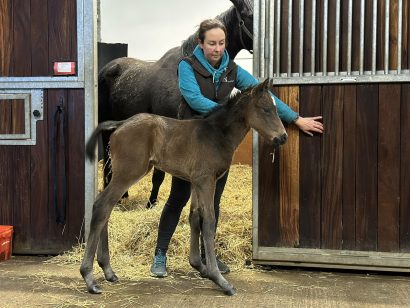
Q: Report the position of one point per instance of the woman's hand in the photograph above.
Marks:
(310, 125)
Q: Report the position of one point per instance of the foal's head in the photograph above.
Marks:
(263, 116)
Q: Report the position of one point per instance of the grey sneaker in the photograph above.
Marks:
(223, 268)
(159, 265)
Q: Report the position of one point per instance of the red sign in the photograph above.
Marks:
(64, 68)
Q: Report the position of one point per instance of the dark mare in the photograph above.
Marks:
(129, 86)
(197, 150)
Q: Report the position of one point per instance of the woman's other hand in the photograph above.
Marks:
(310, 125)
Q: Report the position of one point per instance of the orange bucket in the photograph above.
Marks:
(6, 237)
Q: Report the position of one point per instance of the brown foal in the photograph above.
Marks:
(197, 150)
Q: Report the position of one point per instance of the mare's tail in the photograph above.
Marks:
(91, 143)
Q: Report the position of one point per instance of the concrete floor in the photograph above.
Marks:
(31, 282)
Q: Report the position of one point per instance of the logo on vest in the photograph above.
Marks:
(225, 79)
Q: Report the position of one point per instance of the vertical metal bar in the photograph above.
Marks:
(271, 17)
(255, 139)
(374, 37)
(313, 42)
(256, 39)
(386, 37)
(301, 34)
(337, 37)
(277, 44)
(399, 35)
(325, 34)
(361, 57)
(262, 37)
(289, 65)
(349, 37)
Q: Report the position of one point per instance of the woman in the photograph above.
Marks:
(206, 79)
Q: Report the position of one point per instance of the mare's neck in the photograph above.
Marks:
(231, 23)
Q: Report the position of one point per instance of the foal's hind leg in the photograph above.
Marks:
(205, 190)
(103, 256)
(195, 223)
(101, 212)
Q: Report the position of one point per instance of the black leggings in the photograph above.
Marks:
(178, 198)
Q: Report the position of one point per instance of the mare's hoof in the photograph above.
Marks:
(113, 278)
(95, 290)
(230, 292)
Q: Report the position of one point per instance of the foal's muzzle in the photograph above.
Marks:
(277, 141)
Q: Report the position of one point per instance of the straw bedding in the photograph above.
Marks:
(133, 229)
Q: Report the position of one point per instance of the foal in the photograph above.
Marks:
(197, 150)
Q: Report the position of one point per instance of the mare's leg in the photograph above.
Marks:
(195, 223)
(157, 179)
(205, 190)
(105, 137)
(103, 256)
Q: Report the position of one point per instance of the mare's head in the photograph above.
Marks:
(244, 16)
(262, 115)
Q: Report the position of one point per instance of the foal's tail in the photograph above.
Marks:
(91, 143)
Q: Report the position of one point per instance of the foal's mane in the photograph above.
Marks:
(227, 18)
(234, 103)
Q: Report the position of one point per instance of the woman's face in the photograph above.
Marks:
(214, 46)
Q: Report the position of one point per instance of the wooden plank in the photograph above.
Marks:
(366, 167)
(284, 37)
(344, 10)
(295, 36)
(393, 47)
(289, 176)
(356, 36)
(56, 231)
(268, 196)
(332, 162)
(368, 25)
(307, 37)
(21, 198)
(310, 171)
(405, 170)
(18, 116)
(405, 36)
(39, 174)
(5, 116)
(39, 38)
(76, 167)
(6, 37)
(6, 185)
(62, 31)
(21, 38)
(381, 7)
(349, 167)
(331, 36)
(389, 168)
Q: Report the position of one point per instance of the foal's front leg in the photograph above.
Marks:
(195, 223)
(205, 191)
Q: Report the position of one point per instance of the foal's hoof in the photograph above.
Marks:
(95, 289)
(230, 292)
(113, 278)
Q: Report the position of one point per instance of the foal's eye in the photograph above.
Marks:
(266, 110)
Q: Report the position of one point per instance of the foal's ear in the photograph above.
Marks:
(263, 86)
